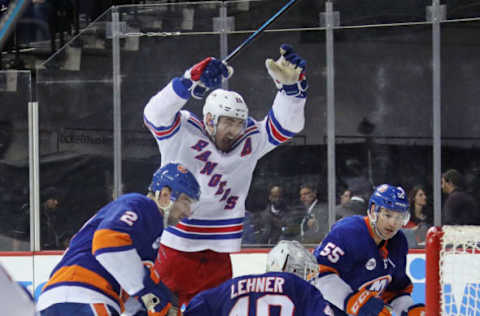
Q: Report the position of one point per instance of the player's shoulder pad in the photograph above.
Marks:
(138, 202)
(193, 122)
(342, 232)
(350, 223)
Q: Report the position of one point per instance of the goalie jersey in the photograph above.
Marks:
(272, 293)
(350, 252)
(107, 249)
(224, 178)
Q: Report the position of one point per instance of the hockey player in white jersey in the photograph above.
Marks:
(14, 299)
(221, 150)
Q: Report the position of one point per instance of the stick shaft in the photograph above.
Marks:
(259, 30)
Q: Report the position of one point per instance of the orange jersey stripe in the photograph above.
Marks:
(100, 309)
(107, 238)
(324, 269)
(163, 312)
(388, 296)
(367, 222)
(80, 274)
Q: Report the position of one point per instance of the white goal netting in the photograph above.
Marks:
(459, 270)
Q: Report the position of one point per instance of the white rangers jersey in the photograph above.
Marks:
(224, 178)
(14, 299)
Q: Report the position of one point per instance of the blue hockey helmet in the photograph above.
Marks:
(178, 179)
(389, 197)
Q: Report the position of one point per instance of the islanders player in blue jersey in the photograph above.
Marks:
(362, 260)
(106, 258)
(283, 290)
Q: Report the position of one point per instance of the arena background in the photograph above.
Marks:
(393, 98)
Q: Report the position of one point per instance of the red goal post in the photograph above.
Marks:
(452, 284)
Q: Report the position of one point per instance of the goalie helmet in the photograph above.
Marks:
(222, 102)
(392, 198)
(291, 256)
(178, 179)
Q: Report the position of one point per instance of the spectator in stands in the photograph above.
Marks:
(421, 217)
(4, 5)
(351, 203)
(345, 196)
(460, 207)
(314, 224)
(274, 216)
(419, 210)
(53, 232)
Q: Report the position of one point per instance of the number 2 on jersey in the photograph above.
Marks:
(129, 217)
(263, 305)
(332, 252)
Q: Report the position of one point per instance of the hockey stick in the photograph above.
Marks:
(259, 30)
(10, 19)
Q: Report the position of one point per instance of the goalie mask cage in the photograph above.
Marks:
(452, 285)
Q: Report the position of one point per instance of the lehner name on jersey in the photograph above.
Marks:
(269, 284)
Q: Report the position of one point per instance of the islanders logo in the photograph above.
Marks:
(371, 264)
(377, 285)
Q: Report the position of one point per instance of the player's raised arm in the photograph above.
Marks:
(162, 108)
(288, 72)
(286, 118)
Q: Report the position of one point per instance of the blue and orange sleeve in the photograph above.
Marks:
(108, 240)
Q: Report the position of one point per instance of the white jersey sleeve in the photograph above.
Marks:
(283, 121)
(162, 108)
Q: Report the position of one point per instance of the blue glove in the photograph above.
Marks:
(365, 303)
(288, 72)
(415, 310)
(155, 296)
(205, 75)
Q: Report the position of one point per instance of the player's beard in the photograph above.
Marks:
(225, 144)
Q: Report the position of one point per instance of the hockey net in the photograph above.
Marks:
(453, 271)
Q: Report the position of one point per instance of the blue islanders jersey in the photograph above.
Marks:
(128, 230)
(350, 251)
(272, 293)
